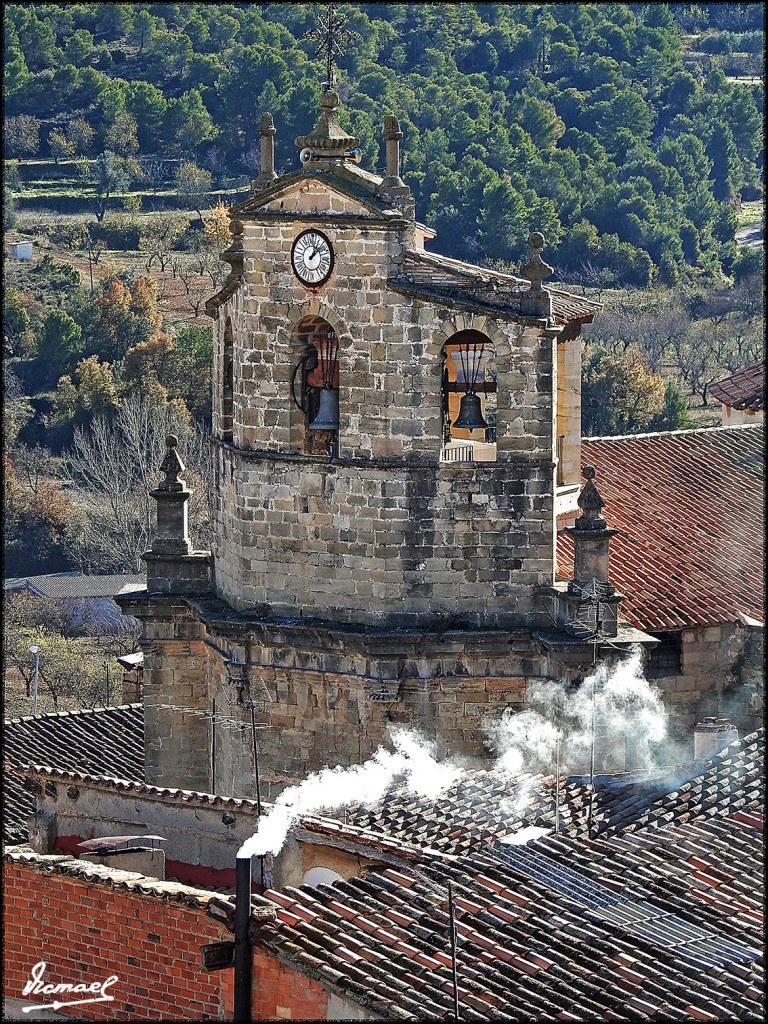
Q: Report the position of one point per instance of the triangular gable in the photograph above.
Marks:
(318, 192)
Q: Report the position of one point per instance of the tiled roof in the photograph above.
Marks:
(140, 789)
(745, 389)
(441, 273)
(75, 584)
(112, 878)
(560, 929)
(689, 508)
(100, 741)
(485, 806)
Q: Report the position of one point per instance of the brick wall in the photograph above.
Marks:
(86, 930)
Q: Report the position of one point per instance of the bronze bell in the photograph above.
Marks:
(328, 414)
(470, 414)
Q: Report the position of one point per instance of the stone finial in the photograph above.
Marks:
(172, 467)
(266, 125)
(392, 129)
(267, 133)
(328, 139)
(392, 136)
(591, 504)
(536, 270)
(172, 497)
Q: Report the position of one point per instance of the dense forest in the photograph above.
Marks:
(616, 129)
(630, 134)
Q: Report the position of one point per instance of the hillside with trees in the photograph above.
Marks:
(612, 128)
(630, 134)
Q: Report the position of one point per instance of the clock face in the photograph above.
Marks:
(312, 258)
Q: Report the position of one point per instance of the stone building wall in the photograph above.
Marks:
(384, 532)
(176, 695)
(385, 542)
(723, 674)
(326, 705)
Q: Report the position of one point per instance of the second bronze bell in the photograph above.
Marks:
(470, 413)
(328, 414)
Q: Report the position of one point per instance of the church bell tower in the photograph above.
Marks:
(387, 473)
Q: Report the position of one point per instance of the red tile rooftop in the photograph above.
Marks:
(744, 389)
(689, 508)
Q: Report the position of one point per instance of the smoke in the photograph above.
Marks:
(412, 762)
(615, 705)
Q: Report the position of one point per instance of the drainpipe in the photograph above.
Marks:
(243, 952)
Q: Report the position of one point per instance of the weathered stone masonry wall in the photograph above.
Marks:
(323, 709)
(325, 538)
(177, 739)
(723, 674)
(385, 543)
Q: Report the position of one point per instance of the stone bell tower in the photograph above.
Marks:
(387, 472)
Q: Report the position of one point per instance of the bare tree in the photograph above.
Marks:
(189, 268)
(114, 465)
(159, 234)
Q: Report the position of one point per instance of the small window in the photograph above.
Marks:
(665, 658)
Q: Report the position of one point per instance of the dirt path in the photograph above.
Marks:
(751, 236)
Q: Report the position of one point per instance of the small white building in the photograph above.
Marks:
(21, 250)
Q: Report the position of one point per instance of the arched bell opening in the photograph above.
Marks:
(228, 383)
(315, 388)
(469, 398)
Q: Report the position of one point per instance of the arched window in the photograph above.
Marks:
(469, 399)
(321, 876)
(228, 383)
(315, 388)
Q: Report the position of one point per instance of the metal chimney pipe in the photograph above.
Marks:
(243, 951)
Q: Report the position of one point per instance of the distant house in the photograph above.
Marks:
(742, 395)
(88, 599)
(21, 250)
(689, 554)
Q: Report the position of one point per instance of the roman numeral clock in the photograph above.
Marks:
(312, 258)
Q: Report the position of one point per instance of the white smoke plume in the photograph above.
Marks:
(615, 704)
(621, 703)
(412, 762)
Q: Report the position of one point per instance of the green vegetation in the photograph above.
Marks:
(590, 122)
(616, 129)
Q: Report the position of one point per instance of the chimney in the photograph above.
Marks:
(712, 735)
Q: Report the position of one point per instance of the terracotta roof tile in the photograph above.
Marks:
(456, 279)
(689, 508)
(587, 951)
(744, 389)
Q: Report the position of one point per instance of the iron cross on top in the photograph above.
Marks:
(331, 33)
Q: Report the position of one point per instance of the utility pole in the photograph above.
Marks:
(34, 649)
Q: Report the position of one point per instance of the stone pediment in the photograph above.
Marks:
(346, 190)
